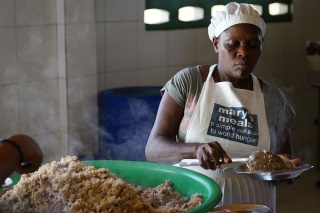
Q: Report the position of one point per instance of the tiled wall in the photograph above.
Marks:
(56, 55)
(48, 74)
(81, 66)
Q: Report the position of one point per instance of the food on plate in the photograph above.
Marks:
(264, 161)
(289, 164)
(71, 186)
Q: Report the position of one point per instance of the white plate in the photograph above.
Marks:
(7, 182)
(278, 175)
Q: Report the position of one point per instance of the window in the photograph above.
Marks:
(180, 14)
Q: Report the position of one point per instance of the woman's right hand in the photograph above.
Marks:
(209, 155)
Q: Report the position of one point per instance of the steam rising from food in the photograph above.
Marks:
(125, 130)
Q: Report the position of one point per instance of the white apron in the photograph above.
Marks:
(236, 119)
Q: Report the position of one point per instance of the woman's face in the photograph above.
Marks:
(238, 48)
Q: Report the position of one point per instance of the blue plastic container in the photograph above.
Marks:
(126, 118)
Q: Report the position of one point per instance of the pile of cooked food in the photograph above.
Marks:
(264, 161)
(70, 186)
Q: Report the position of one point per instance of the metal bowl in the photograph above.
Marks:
(146, 174)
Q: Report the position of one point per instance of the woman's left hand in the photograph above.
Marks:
(294, 161)
(287, 182)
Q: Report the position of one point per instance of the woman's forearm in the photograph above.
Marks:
(164, 150)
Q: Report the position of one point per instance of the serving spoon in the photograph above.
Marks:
(195, 162)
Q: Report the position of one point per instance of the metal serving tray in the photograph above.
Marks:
(278, 175)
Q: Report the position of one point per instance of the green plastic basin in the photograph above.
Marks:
(146, 174)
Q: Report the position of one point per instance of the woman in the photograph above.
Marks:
(222, 111)
(19, 153)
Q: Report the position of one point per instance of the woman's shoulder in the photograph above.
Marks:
(197, 72)
(185, 82)
(187, 76)
(190, 71)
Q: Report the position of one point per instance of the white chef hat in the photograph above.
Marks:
(233, 14)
